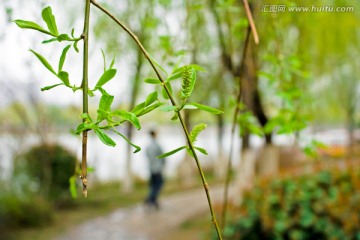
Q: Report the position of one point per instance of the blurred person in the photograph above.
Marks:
(156, 167)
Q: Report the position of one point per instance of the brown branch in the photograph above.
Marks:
(251, 21)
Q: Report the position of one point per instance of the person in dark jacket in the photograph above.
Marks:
(156, 167)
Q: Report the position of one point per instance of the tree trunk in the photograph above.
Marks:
(128, 180)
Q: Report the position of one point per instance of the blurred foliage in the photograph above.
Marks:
(324, 205)
(17, 211)
(50, 168)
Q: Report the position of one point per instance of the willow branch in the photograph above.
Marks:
(190, 144)
(233, 128)
(85, 88)
(251, 21)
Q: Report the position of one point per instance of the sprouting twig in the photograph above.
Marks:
(190, 144)
(84, 86)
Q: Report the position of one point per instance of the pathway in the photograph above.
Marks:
(139, 223)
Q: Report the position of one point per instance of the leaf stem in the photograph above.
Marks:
(85, 88)
(147, 56)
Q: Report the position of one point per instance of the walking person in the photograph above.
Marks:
(156, 167)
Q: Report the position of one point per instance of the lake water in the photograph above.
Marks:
(110, 162)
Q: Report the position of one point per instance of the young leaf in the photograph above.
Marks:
(129, 116)
(206, 108)
(83, 127)
(149, 109)
(49, 19)
(105, 102)
(203, 151)
(107, 76)
(75, 46)
(63, 37)
(171, 152)
(31, 25)
(104, 59)
(138, 108)
(151, 98)
(158, 65)
(112, 62)
(50, 87)
(174, 76)
(104, 137)
(104, 106)
(49, 40)
(152, 81)
(62, 57)
(167, 108)
(86, 117)
(72, 186)
(43, 61)
(137, 148)
(164, 93)
(64, 77)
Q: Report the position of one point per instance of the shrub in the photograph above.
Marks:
(51, 167)
(325, 205)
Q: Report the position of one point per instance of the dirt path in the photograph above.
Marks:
(139, 223)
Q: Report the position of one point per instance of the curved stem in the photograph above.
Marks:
(85, 88)
(190, 144)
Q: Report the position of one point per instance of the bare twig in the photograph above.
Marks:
(251, 21)
(190, 144)
(233, 128)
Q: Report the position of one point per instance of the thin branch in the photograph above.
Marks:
(190, 144)
(251, 21)
(233, 128)
(85, 88)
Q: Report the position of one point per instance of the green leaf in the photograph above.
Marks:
(72, 32)
(206, 108)
(149, 109)
(203, 151)
(72, 186)
(187, 106)
(86, 117)
(49, 19)
(129, 116)
(164, 93)
(50, 87)
(138, 108)
(31, 25)
(152, 81)
(64, 77)
(151, 98)
(105, 77)
(137, 148)
(49, 40)
(172, 152)
(43, 61)
(104, 59)
(104, 137)
(83, 127)
(75, 46)
(104, 106)
(105, 102)
(167, 108)
(62, 57)
(157, 64)
(63, 37)
(112, 62)
(174, 76)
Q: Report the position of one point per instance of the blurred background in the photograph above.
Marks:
(298, 114)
